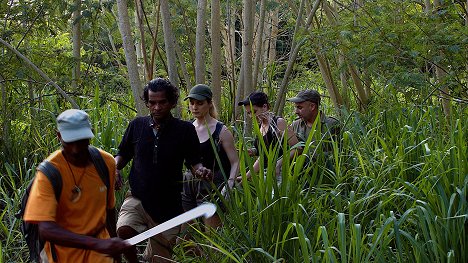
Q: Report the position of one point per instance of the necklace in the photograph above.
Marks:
(76, 191)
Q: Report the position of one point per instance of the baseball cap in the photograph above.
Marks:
(200, 92)
(74, 125)
(306, 95)
(256, 98)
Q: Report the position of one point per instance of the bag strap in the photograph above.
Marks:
(55, 179)
(217, 132)
(100, 165)
(53, 175)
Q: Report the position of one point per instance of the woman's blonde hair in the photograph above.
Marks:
(213, 112)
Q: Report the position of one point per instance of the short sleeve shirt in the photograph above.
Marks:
(158, 158)
(86, 216)
(329, 127)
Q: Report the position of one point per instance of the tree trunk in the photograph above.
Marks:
(239, 94)
(327, 78)
(200, 43)
(130, 57)
(216, 52)
(247, 37)
(295, 47)
(362, 94)
(139, 19)
(344, 80)
(259, 45)
(229, 42)
(169, 43)
(183, 68)
(76, 39)
(273, 36)
(138, 51)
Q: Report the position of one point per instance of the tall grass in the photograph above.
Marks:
(396, 192)
(34, 141)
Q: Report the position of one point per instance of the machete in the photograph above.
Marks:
(205, 209)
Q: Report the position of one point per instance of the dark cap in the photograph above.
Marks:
(257, 98)
(200, 92)
(306, 95)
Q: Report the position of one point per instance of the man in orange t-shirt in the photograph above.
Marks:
(81, 222)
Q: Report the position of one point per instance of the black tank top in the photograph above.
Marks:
(209, 159)
(270, 139)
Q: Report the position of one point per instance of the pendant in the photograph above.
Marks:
(76, 194)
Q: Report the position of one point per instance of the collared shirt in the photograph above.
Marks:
(329, 127)
(158, 158)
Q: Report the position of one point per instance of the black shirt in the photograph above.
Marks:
(156, 172)
(271, 139)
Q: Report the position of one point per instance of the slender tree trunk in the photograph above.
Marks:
(169, 42)
(247, 38)
(130, 56)
(139, 19)
(295, 47)
(362, 94)
(272, 44)
(76, 39)
(273, 36)
(239, 93)
(200, 43)
(216, 52)
(344, 80)
(183, 68)
(259, 45)
(41, 73)
(228, 35)
(154, 47)
(327, 78)
(138, 51)
(114, 48)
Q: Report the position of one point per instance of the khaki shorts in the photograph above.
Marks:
(133, 214)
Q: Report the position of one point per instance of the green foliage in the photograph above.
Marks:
(397, 193)
(394, 190)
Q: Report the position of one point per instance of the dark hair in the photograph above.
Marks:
(256, 98)
(160, 84)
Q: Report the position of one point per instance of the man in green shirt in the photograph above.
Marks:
(307, 104)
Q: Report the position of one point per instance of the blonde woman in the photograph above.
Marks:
(215, 140)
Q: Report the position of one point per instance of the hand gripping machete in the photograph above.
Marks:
(205, 209)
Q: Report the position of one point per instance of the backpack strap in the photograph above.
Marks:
(217, 132)
(100, 165)
(55, 179)
(53, 175)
